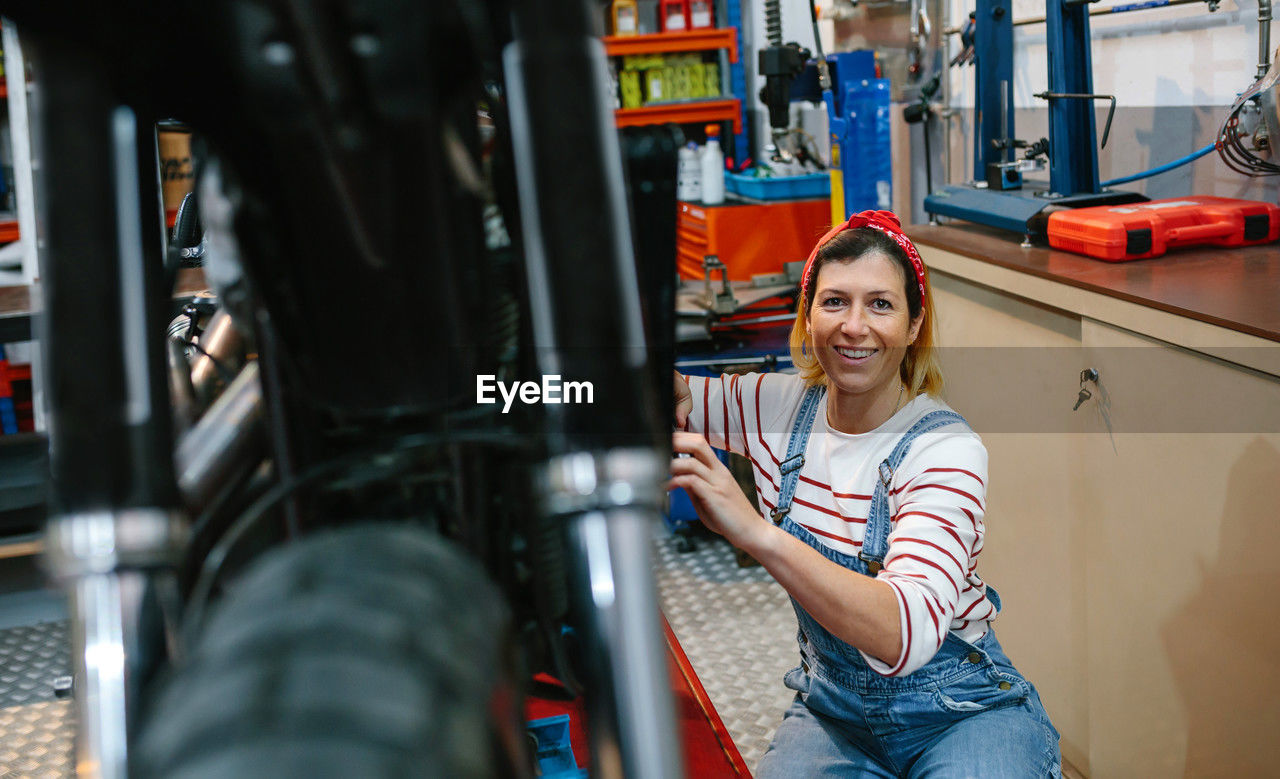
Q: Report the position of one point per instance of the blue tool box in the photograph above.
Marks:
(810, 185)
(554, 750)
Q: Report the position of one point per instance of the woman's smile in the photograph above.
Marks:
(856, 356)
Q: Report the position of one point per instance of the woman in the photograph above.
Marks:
(873, 524)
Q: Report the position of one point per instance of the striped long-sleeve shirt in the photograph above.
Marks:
(936, 499)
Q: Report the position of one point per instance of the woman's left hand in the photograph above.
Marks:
(714, 492)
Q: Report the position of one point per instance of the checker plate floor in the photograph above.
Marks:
(37, 740)
(37, 732)
(735, 624)
(738, 630)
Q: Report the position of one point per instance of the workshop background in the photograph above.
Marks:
(1134, 545)
(1132, 538)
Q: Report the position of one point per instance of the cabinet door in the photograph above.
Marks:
(1011, 367)
(1136, 550)
(1182, 570)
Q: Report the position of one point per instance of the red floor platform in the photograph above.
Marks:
(709, 752)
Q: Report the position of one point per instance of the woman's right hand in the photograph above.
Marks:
(684, 401)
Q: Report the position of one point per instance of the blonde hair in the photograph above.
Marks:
(919, 371)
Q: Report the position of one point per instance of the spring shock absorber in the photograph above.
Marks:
(773, 22)
(778, 65)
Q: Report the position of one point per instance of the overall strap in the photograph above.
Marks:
(875, 544)
(790, 467)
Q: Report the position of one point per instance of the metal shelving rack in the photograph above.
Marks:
(720, 109)
(15, 84)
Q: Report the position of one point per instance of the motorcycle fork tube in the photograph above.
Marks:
(628, 680)
(112, 489)
(586, 322)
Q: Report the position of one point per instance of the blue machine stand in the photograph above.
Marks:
(999, 197)
(859, 114)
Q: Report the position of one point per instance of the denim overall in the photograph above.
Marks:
(967, 712)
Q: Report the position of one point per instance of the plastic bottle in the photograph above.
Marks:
(648, 23)
(625, 17)
(712, 168)
(689, 174)
(674, 15)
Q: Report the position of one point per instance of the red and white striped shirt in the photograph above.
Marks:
(936, 498)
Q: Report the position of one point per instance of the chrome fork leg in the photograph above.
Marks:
(104, 638)
(609, 501)
(105, 561)
(628, 644)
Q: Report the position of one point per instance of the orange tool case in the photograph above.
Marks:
(1139, 230)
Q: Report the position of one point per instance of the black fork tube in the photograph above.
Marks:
(112, 491)
(586, 319)
(110, 441)
(604, 474)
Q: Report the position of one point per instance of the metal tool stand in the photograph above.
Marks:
(1005, 200)
(721, 302)
(861, 148)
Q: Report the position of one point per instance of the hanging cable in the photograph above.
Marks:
(824, 74)
(1235, 154)
(817, 36)
(1168, 166)
(1232, 148)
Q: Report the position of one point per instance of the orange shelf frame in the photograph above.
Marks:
(719, 110)
(663, 42)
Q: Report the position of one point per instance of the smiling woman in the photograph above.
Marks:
(865, 300)
(876, 490)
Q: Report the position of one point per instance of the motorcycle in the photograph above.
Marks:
(296, 539)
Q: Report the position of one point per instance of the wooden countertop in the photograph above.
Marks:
(1238, 289)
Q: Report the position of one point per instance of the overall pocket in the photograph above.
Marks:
(796, 679)
(823, 696)
(985, 689)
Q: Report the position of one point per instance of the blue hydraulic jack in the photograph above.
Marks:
(999, 196)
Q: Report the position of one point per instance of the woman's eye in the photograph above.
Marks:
(881, 304)
(832, 302)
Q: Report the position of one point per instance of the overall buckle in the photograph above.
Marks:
(886, 474)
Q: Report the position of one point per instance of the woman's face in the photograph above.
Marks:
(859, 324)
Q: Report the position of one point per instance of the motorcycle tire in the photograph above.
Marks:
(371, 651)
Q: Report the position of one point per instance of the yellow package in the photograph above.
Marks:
(629, 89)
(711, 79)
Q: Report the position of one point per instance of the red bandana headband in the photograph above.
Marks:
(884, 221)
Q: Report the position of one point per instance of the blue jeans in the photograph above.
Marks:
(952, 718)
(966, 713)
